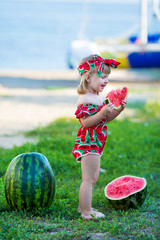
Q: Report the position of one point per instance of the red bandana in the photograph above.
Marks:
(97, 61)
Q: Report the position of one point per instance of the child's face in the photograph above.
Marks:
(96, 84)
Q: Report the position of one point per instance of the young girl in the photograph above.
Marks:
(93, 115)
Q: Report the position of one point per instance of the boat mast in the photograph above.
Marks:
(156, 9)
(144, 22)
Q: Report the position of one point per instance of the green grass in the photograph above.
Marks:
(132, 148)
(54, 88)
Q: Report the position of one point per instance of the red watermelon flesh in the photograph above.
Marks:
(124, 186)
(116, 97)
(126, 191)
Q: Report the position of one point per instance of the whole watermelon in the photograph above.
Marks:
(29, 182)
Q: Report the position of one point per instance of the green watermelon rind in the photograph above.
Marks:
(37, 190)
(133, 200)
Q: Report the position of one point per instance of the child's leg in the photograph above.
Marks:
(90, 172)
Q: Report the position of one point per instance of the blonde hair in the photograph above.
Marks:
(82, 89)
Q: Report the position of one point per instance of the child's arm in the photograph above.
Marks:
(95, 118)
(115, 113)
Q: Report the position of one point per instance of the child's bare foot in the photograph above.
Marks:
(93, 215)
(92, 209)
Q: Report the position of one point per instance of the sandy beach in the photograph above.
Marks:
(32, 99)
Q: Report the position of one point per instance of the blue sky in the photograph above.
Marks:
(87, 1)
(123, 1)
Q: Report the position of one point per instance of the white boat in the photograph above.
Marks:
(141, 51)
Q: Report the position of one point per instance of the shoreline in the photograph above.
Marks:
(40, 75)
(127, 75)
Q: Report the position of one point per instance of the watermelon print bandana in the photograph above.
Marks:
(97, 61)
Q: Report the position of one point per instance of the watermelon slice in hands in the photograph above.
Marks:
(116, 97)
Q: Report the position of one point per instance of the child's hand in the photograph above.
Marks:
(107, 109)
(124, 102)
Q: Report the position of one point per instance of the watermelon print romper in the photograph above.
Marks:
(90, 140)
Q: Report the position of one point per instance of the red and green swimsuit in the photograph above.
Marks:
(90, 140)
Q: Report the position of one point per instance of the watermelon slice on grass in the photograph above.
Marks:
(116, 97)
(126, 192)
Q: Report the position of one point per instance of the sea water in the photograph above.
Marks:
(36, 34)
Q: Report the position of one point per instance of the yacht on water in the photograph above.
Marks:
(141, 51)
